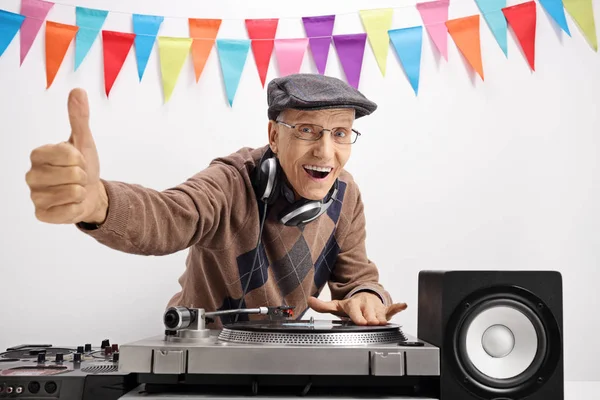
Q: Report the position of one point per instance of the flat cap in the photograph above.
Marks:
(315, 92)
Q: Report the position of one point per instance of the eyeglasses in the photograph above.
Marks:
(312, 133)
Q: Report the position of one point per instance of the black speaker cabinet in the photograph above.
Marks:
(500, 333)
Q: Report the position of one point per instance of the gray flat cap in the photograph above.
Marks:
(315, 92)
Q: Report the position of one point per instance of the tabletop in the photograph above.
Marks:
(574, 390)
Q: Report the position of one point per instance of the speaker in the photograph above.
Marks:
(500, 333)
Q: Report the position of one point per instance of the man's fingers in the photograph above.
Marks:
(49, 175)
(395, 309)
(63, 214)
(381, 316)
(60, 155)
(355, 313)
(370, 315)
(57, 196)
(322, 306)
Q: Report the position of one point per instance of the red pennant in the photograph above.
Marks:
(522, 19)
(262, 33)
(116, 46)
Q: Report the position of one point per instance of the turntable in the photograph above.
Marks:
(279, 353)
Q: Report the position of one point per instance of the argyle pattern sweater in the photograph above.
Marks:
(216, 215)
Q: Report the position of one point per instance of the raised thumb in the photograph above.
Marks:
(79, 118)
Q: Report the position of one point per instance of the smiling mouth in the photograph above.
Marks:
(317, 172)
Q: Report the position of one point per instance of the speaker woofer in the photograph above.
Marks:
(501, 341)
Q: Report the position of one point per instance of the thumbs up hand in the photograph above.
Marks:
(64, 178)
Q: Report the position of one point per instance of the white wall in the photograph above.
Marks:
(502, 174)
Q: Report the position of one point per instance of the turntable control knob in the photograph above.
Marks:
(88, 347)
(41, 357)
(115, 357)
(77, 357)
(80, 349)
(105, 343)
(107, 351)
(115, 347)
(59, 357)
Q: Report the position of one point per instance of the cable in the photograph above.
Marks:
(262, 224)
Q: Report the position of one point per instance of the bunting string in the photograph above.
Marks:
(263, 42)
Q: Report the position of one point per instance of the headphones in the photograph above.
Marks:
(269, 186)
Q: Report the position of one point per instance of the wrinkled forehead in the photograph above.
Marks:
(343, 116)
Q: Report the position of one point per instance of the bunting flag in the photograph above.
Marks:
(262, 33)
(35, 12)
(290, 54)
(319, 31)
(146, 29)
(204, 33)
(232, 54)
(90, 22)
(351, 50)
(377, 23)
(465, 33)
(173, 52)
(407, 43)
(556, 10)
(58, 39)
(434, 15)
(492, 13)
(583, 14)
(523, 19)
(115, 46)
(10, 23)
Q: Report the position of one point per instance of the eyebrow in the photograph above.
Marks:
(302, 114)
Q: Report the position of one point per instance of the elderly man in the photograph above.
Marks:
(264, 227)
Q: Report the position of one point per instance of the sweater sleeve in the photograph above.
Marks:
(149, 222)
(354, 272)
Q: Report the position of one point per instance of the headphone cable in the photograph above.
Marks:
(262, 224)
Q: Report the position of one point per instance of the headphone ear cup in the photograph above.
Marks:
(300, 212)
(268, 180)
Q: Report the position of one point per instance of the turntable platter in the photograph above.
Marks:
(309, 332)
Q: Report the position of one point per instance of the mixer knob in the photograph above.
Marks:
(105, 343)
(88, 348)
(107, 351)
(80, 349)
(41, 357)
(115, 357)
(59, 357)
(77, 357)
(115, 348)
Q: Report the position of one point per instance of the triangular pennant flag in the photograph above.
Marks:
(290, 53)
(492, 12)
(35, 12)
(10, 23)
(232, 55)
(408, 43)
(319, 30)
(434, 15)
(262, 33)
(58, 39)
(377, 23)
(90, 22)
(351, 51)
(204, 32)
(583, 14)
(173, 52)
(116, 46)
(146, 29)
(465, 33)
(556, 9)
(522, 18)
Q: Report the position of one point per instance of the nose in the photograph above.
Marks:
(324, 147)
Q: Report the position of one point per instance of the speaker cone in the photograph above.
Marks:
(504, 341)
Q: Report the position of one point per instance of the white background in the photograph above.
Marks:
(501, 174)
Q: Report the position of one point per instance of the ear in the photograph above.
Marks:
(273, 135)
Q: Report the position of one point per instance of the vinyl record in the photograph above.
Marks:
(309, 326)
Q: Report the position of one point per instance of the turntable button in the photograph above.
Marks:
(59, 357)
(77, 357)
(115, 357)
(115, 348)
(105, 343)
(41, 357)
(80, 349)
(107, 351)
(88, 347)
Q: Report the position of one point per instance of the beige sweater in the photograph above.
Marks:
(215, 214)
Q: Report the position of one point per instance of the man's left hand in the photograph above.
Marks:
(363, 308)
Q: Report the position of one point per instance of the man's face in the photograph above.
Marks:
(305, 163)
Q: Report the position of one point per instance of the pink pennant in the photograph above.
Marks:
(290, 53)
(435, 15)
(35, 12)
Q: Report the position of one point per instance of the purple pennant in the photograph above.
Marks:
(319, 30)
(35, 12)
(351, 51)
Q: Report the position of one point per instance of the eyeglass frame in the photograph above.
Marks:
(358, 134)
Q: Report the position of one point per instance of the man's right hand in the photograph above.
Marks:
(64, 178)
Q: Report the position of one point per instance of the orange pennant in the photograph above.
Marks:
(465, 33)
(204, 32)
(58, 39)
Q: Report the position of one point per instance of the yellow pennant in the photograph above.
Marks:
(377, 23)
(173, 52)
(582, 12)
